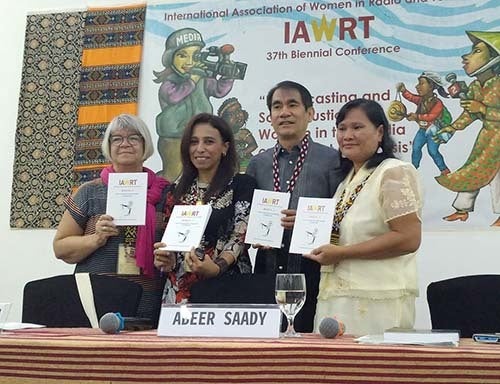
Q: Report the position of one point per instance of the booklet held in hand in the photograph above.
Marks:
(264, 222)
(126, 199)
(186, 227)
(313, 224)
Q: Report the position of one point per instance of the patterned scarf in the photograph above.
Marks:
(304, 147)
(145, 233)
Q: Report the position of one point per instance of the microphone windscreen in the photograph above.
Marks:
(110, 323)
(330, 328)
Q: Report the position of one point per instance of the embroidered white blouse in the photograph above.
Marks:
(393, 190)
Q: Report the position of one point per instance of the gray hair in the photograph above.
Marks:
(131, 123)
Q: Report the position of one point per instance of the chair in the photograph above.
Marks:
(55, 301)
(235, 289)
(470, 304)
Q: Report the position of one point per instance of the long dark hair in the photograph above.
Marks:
(228, 165)
(376, 115)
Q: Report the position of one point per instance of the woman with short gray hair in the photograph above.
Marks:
(88, 237)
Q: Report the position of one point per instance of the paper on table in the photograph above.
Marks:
(379, 339)
(421, 336)
(12, 326)
(4, 314)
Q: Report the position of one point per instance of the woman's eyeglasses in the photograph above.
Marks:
(131, 139)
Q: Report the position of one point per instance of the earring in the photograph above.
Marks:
(379, 149)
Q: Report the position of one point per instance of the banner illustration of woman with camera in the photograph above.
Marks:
(187, 82)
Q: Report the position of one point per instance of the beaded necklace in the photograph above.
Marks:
(342, 208)
(201, 189)
(304, 147)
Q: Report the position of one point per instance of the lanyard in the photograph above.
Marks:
(304, 147)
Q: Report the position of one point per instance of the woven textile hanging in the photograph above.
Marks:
(47, 116)
(109, 81)
(79, 71)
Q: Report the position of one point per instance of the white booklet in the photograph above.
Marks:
(13, 326)
(186, 227)
(264, 222)
(126, 201)
(421, 336)
(313, 224)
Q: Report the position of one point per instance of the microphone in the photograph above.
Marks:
(457, 89)
(330, 327)
(114, 322)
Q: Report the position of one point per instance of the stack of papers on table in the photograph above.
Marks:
(429, 337)
(15, 326)
(422, 336)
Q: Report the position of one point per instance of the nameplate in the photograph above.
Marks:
(217, 320)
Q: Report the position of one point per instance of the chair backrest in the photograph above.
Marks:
(235, 289)
(55, 301)
(470, 304)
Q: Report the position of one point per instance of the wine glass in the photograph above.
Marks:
(290, 294)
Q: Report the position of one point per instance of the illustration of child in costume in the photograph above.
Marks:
(234, 114)
(430, 115)
(482, 103)
(188, 81)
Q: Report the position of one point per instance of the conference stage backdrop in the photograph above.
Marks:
(429, 63)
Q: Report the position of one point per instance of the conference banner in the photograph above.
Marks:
(433, 66)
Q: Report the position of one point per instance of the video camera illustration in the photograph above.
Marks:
(223, 66)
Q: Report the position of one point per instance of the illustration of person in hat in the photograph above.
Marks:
(184, 92)
(481, 103)
(234, 114)
(430, 115)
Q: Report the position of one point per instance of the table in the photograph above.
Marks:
(79, 355)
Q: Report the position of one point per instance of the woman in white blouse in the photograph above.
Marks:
(369, 274)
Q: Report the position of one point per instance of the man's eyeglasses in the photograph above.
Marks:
(131, 139)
